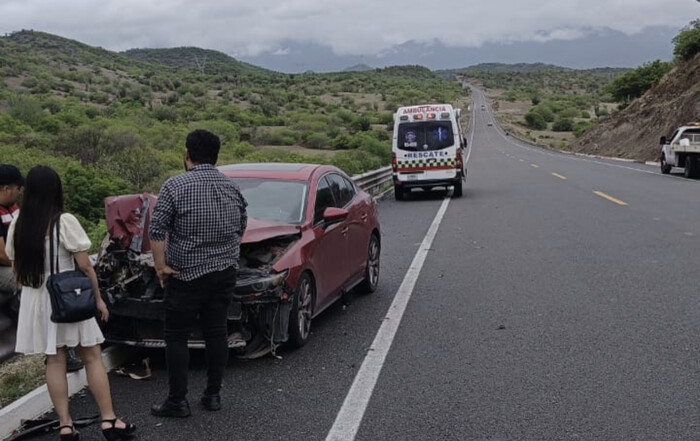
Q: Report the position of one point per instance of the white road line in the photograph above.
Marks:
(349, 418)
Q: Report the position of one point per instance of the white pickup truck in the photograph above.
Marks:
(682, 149)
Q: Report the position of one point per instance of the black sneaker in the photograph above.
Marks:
(211, 402)
(73, 363)
(171, 410)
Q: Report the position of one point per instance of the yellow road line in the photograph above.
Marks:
(563, 178)
(610, 198)
(535, 165)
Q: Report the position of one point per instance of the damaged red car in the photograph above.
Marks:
(312, 236)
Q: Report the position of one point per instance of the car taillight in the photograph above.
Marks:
(394, 164)
(458, 162)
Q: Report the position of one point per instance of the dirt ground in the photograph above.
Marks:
(511, 116)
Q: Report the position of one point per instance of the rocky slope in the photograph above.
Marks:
(635, 131)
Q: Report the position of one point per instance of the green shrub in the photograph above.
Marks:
(687, 42)
(316, 141)
(563, 125)
(581, 127)
(535, 120)
(635, 83)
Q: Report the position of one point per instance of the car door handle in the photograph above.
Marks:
(344, 230)
(364, 217)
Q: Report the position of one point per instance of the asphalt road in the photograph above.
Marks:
(544, 311)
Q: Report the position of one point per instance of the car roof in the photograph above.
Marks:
(272, 170)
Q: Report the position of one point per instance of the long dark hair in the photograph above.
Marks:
(42, 205)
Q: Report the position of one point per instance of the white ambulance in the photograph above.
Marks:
(428, 149)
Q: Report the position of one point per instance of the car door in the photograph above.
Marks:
(358, 234)
(330, 254)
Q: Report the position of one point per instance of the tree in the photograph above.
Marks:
(687, 42)
(536, 121)
(635, 83)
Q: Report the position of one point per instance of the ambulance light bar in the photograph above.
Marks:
(404, 118)
(445, 115)
(418, 117)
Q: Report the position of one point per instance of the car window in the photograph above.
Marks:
(274, 200)
(342, 189)
(349, 188)
(324, 199)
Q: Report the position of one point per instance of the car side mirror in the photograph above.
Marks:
(334, 215)
(663, 140)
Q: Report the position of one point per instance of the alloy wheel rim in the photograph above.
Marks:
(374, 263)
(304, 309)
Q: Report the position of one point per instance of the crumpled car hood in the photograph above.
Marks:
(259, 230)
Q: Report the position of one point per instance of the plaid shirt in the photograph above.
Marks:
(203, 215)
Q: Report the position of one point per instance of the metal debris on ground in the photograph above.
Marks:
(125, 372)
(40, 426)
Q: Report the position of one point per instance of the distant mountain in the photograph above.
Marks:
(601, 47)
(517, 67)
(357, 68)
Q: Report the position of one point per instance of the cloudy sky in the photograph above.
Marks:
(347, 27)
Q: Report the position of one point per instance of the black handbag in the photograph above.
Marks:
(72, 299)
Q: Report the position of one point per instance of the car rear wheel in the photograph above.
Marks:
(369, 284)
(302, 310)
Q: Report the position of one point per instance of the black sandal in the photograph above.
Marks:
(73, 436)
(115, 433)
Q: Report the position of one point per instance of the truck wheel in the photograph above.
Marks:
(457, 192)
(690, 167)
(665, 167)
(399, 194)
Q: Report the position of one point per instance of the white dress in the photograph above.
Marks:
(36, 333)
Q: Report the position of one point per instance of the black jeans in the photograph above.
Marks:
(202, 302)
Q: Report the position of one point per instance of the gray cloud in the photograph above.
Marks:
(349, 27)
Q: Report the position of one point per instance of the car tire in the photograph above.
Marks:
(665, 167)
(371, 280)
(457, 192)
(302, 311)
(399, 194)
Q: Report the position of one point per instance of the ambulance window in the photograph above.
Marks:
(422, 136)
(324, 199)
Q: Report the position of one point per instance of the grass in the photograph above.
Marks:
(19, 376)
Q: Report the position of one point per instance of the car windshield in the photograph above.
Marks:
(420, 136)
(274, 200)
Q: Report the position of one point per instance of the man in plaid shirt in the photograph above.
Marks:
(202, 215)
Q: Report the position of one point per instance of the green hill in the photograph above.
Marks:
(202, 60)
(113, 122)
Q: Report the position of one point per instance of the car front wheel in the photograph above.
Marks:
(665, 168)
(302, 310)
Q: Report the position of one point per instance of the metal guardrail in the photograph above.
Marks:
(374, 182)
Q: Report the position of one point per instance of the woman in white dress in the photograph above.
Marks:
(28, 248)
